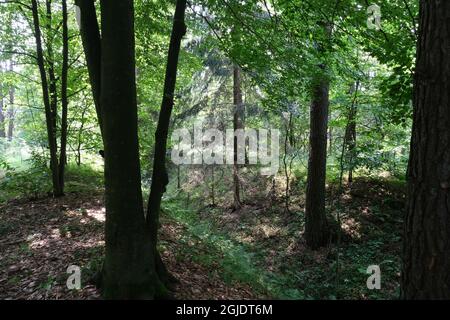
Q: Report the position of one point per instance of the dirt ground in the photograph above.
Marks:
(40, 239)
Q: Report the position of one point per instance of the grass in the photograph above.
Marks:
(263, 247)
(275, 270)
(34, 182)
(231, 259)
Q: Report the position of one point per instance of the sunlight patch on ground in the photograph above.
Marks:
(352, 227)
(245, 238)
(37, 241)
(268, 231)
(98, 215)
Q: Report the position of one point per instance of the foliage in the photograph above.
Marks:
(282, 48)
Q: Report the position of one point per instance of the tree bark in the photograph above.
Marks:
(426, 249)
(238, 123)
(213, 187)
(11, 113)
(287, 145)
(317, 231)
(2, 115)
(160, 177)
(52, 85)
(64, 102)
(90, 37)
(350, 131)
(129, 267)
(49, 116)
(316, 225)
(330, 137)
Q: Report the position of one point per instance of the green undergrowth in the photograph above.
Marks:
(274, 269)
(223, 255)
(35, 181)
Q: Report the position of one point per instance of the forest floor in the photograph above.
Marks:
(40, 239)
(256, 252)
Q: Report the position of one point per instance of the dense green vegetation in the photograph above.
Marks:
(93, 91)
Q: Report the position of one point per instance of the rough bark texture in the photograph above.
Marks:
(426, 254)
(316, 226)
(129, 267)
(317, 232)
(238, 123)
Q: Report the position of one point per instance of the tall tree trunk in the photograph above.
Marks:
(80, 135)
(11, 113)
(330, 137)
(52, 85)
(160, 178)
(51, 134)
(426, 249)
(90, 37)
(238, 123)
(287, 146)
(316, 225)
(178, 178)
(129, 267)
(350, 130)
(2, 115)
(213, 187)
(64, 102)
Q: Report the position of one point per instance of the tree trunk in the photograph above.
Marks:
(11, 113)
(317, 231)
(90, 37)
(80, 135)
(350, 131)
(178, 178)
(2, 115)
(49, 116)
(160, 177)
(426, 249)
(287, 146)
(213, 187)
(316, 225)
(52, 85)
(64, 102)
(330, 137)
(238, 123)
(129, 267)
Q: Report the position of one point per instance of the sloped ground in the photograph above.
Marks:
(371, 214)
(215, 253)
(40, 239)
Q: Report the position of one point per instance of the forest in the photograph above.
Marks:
(225, 150)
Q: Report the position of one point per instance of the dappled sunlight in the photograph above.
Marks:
(268, 231)
(86, 216)
(254, 149)
(243, 238)
(52, 234)
(98, 215)
(352, 227)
